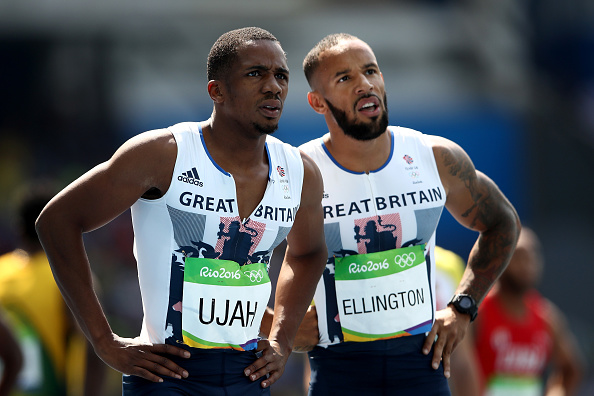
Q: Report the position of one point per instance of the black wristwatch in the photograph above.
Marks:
(465, 304)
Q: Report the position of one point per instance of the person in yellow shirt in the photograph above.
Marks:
(464, 379)
(39, 317)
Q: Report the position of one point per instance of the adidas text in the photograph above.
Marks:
(190, 180)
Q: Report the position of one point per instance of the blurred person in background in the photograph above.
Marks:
(522, 338)
(11, 357)
(56, 359)
(209, 201)
(384, 190)
(464, 378)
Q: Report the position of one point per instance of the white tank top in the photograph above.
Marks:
(198, 217)
(395, 206)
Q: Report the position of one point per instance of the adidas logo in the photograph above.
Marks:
(191, 177)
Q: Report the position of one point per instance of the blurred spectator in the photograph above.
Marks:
(11, 357)
(52, 345)
(464, 379)
(521, 337)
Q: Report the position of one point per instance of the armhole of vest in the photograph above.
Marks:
(176, 136)
(426, 142)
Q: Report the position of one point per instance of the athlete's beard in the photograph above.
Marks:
(265, 129)
(358, 130)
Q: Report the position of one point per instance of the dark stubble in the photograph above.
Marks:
(358, 130)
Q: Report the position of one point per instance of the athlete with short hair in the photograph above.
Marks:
(384, 190)
(210, 201)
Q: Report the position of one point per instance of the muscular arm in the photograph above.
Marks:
(143, 163)
(476, 202)
(307, 336)
(304, 262)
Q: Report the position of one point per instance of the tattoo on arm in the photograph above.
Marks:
(491, 211)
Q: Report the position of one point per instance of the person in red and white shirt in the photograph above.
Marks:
(519, 334)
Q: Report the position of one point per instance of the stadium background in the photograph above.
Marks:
(511, 81)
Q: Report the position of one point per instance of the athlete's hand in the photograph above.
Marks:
(271, 363)
(450, 327)
(308, 335)
(149, 361)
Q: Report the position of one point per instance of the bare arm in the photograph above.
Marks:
(307, 336)
(567, 360)
(476, 202)
(143, 163)
(95, 372)
(304, 262)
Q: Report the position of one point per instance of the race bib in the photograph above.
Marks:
(383, 295)
(223, 303)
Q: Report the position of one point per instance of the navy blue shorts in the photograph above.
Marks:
(212, 372)
(387, 367)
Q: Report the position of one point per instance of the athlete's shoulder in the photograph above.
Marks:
(277, 147)
(150, 144)
(405, 131)
(317, 142)
(274, 141)
(314, 148)
(187, 126)
(404, 135)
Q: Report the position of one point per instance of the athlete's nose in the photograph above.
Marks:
(272, 84)
(363, 85)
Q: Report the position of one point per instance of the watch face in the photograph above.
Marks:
(465, 302)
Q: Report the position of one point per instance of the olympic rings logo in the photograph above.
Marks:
(405, 259)
(254, 275)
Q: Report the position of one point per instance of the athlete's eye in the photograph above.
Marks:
(282, 76)
(343, 78)
(254, 73)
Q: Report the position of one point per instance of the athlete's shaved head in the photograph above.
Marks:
(224, 51)
(312, 60)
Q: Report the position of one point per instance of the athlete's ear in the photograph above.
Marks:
(317, 102)
(382, 76)
(215, 91)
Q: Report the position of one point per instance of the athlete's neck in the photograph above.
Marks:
(359, 155)
(233, 150)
